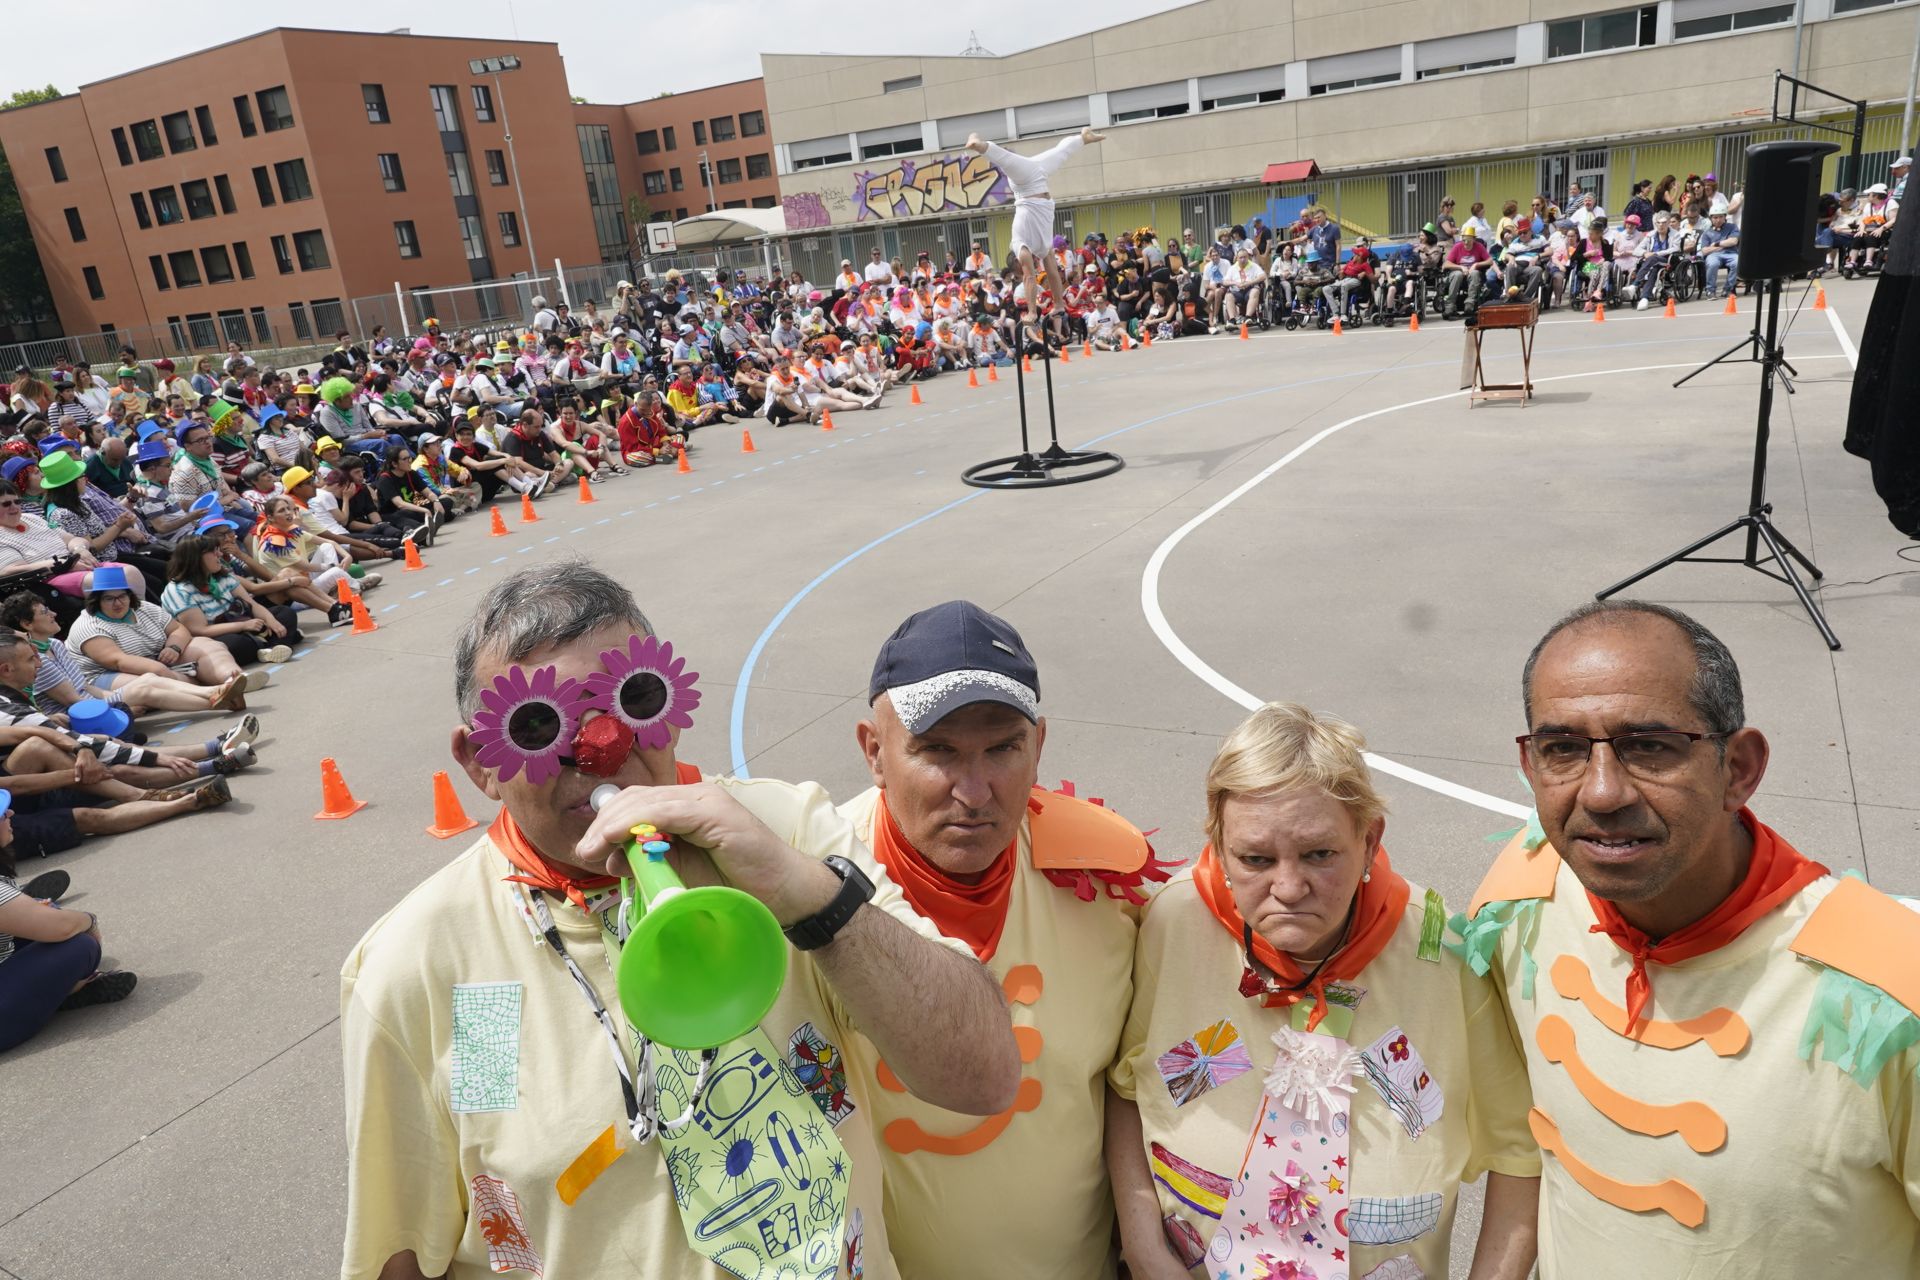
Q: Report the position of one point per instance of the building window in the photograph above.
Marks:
(55, 165)
(722, 127)
(140, 211)
(473, 239)
(1625, 29)
(1457, 68)
(75, 227)
(276, 108)
(392, 177)
(729, 172)
(375, 96)
(186, 272)
(901, 85)
(204, 118)
(146, 140)
(224, 189)
(311, 249)
(1689, 21)
(199, 198)
(699, 133)
(446, 108)
(1353, 70)
(673, 179)
(647, 141)
(297, 312)
(243, 112)
(895, 140)
(655, 182)
(482, 103)
(243, 259)
(403, 235)
(603, 191)
(1855, 6)
(159, 265)
(292, 176)
(328, 316)
(666, 138)
(734, 204)
(200, 330)
(92, 276)
(509, 229)
(166, 206)
(497, 168)
(765, 202)
(760, 166)
(679, 215)
(458, 175)
(752, 123)
(120, 146)
(281, 258)
(262, 331)
(815, 153)
(218, 264)
(263, 186)
(233, 326)
(179, 130)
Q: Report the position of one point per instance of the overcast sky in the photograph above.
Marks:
(610, 57)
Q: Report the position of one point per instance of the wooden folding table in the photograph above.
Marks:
(1521, 317)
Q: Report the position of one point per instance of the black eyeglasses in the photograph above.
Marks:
(1653, 755)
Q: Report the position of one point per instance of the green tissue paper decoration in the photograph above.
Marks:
(1480, 937)
(1856, 1026)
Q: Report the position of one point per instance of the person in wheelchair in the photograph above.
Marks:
(1354, 284)
(1395, 278)
(1315, 274)
(1592, 259)
(1520, 263)
(1246, 290)
(1464, 273)
(1653, 268)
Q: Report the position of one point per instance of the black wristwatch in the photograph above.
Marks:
(820, 928)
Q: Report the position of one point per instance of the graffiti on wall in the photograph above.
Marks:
(908, 190)
(805, 211)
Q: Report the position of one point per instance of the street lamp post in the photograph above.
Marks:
(706, 171)
(493, 67)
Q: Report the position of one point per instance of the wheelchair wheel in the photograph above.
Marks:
(1292, 322)
(1680, 283)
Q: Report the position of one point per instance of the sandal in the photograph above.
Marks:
(107, 986)
(231, 696)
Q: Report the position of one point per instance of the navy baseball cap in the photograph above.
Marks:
(950, 656)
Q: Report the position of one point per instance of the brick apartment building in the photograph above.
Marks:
(253, 190)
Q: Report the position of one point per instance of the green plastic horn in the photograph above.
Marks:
(700, 966)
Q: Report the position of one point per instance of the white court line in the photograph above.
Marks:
(1846, 340)
(1164, 632)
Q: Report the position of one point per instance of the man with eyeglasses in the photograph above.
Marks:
(195, 475)
(1720, 1035)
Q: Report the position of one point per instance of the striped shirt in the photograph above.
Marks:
(142, 633)
(30, 540)
(8, 892)
(213, 604)
(59, 666)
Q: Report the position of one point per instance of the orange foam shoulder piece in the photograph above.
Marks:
(1866, 935)
(1724, 1031)
(1673, 1197)
(1519, 873)
(1071, 834)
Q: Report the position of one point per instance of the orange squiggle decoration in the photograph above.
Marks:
(1673, 1197)
(1723, 1031)
(1698, 1124)
(1022, 985)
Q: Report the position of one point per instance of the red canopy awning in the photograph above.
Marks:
(1291, 171)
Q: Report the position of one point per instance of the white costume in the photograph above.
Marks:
(1027, 175)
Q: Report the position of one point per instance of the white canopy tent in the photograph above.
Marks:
(732, 226)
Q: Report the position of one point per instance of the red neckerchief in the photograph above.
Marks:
(1775, 872)
(973, 913)
(542, 872)
(1377, 909)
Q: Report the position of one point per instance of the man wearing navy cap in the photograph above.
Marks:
(1046, 890)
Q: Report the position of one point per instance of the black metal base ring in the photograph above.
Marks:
(1052, 466)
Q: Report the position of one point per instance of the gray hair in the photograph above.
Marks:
(535, 608)
(1714, 695)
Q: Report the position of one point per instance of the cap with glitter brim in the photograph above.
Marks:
(951, 656)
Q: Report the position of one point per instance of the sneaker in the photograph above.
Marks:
(49, 886)
(235, 760)
(540, 483)
(257, 680)
(241, 735)
(108, 986)
(369, 581)
(213, 795)
(278, 653)
(339, 615)
(1641, 305)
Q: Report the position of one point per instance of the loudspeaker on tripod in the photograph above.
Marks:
(1781, 213)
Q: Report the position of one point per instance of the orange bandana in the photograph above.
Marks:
(541, 871)
(1775, 873)
(1377, 909)
(973, 913)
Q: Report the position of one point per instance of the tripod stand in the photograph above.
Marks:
(1030, 470)
(1757, 521)
(1751, 345)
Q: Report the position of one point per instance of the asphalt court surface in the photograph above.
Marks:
(1394, 569)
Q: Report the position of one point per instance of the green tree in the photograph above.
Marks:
(23, 285)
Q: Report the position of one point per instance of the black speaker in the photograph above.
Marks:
(1782, 209)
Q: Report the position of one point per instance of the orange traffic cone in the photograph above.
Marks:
(362, 620)
(1146, 337)
(826, 419)
(1413, 323)
(1243, 332)
(1026, 364)
(449, 819)
(683, 468)
(335, 800)
(1063, 356)
(973, 377)
(1338, 328)
(1731, 309)
(1820, 298)
(993, 373)
(586, 491)
(344, 587)
(1126, 343)
(1672, 311)
(413, 558)
(526, 510)
(746, 441)
(499, 525)
(915, 397)
(1086, 348)
(1599, 313)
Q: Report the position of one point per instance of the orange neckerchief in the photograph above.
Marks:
(541, 871)
(1377, 910)
(1775, 873)
(973, 913)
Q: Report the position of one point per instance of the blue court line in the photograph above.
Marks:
(416, 595)
(476, 568)
(444, 582)
(330, 637)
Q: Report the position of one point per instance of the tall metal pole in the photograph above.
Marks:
(1913, 82)
(526, 228)
(706, 171)
(1799, 31)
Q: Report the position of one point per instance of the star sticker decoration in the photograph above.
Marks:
(1334, 1184)
(1307, 1237)
(1253, 1230)
(1339, 1255)
(1269, 1139)
(1340, 1162)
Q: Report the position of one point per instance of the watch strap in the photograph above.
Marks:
(820, 928)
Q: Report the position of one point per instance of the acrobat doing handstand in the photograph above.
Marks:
(1033, 207)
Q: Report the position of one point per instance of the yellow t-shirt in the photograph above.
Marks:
(413, 1159)
(1033, 1200)
(1817, 1176)
(1186, 977)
